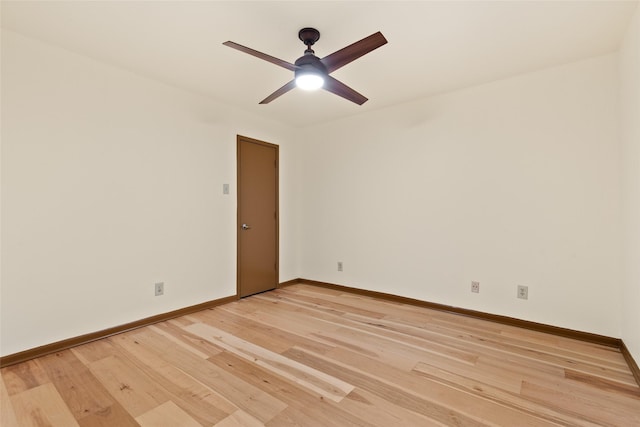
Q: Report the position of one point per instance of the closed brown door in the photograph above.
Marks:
(257, 216)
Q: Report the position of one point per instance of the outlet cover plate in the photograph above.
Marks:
(475, 287)
(523, 292)
(159, 289)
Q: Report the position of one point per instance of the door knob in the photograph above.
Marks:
(245, 227)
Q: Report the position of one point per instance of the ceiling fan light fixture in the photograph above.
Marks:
(311, 72)
(309, 81)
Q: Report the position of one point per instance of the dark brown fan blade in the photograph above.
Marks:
(284, 89)
(353, 51)
(268, 58)
(334, 86)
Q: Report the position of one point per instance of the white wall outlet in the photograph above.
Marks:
(339, 265)
(475, 287)
(523, 292)
(225, 188)
(159, 289)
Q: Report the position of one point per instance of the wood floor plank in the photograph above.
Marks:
(379, 411)
(310, 408)
(166, 415)
(608, 359)
(374, 327)
(482, 373)
(428, 398)
(294, 417)
(333, 306)
(179, 336)
(24, 376)
(263, 335)
(323, 384)
(240, 419)
(114, 415)
(7, 414)
(404, 357)
(202, 403)
(534, 355)
(130, 387)
(94, 351)
(307, 356)
(615, 413)
(84, 395)
(240, 393)
(278, 318)
(42, 406)
(266, 335)
(502, 397)
(406, 395)
(602, 383)
(574, 348)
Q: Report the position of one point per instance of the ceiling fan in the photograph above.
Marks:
(311, 72)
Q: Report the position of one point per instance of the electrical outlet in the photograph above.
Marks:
(159, 287)
(523, 292)
(339, 265)
(475, 287)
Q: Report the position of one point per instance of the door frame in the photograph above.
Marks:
(240, 139)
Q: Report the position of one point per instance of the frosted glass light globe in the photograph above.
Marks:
(309, 81)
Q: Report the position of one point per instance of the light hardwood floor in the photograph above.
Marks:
(308, 356)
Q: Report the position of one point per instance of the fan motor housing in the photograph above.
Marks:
(310, 63)
(310, 60)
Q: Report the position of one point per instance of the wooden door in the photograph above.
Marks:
(257, 216)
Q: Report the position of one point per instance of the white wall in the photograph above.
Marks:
(513, 182)
(630, 136)
(112, 182)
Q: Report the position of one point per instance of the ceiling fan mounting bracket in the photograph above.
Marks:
(309, 36)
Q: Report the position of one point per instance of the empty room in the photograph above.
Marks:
(320, 213)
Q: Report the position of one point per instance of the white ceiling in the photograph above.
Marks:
(434, 46)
